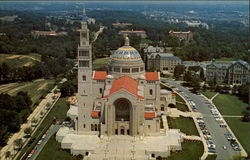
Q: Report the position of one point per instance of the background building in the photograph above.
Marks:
(162, 62)
(121, 25)
(142, 34)
(234, 73)
(182, 35)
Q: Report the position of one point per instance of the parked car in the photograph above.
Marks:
(223, 125)
(211, 150)
(40, 142)
(44, 136)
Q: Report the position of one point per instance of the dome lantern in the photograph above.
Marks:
(126, 41)
(126, 60)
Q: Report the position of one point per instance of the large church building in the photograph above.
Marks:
(123, 103)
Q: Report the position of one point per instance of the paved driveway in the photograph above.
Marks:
(216, 131)
(51, 131)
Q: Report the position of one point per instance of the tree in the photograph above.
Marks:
(18, 143)
(195, 82)
(178, 70)
(244, 92)
(246, 116)
(5, 71)
(202, 74)
(34, 120)
(28, 130)
(7, 155)
(187, 76)
(68, 88)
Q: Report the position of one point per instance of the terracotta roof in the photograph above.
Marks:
(95, 114)
(149, 114)
(100, 75)
(127, 83)
(152, 76)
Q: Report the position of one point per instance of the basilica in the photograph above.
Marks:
(122, 109)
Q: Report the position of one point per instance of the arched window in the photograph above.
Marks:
(96, 127)
(92, 127)
(100, 90)
(151, 92)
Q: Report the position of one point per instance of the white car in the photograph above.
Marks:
(40, 142)
(29, 156)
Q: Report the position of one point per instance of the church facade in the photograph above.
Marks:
(124, 101)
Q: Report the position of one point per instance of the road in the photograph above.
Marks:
(216, 131)
(97, 33)
(51, 131)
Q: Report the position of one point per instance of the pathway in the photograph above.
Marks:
(98, 33)
(214, 96)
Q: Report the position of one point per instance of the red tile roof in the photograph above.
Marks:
(127, 83)
(152, 76)
(95, 114)
(100, 75)
(149, 114)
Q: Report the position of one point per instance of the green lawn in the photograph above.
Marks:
(185, 124)
(182, 107)
(208, 94)
(35, 89)
(241, 131)
(20, 60)
(191, 150)
(179, 99)
(100, 63)
(53, 149)
(211, 157)
(229, 104)
(59, 111)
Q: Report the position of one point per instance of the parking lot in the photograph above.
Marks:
(214, 130)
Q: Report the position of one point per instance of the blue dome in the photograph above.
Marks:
(126, 54)
(84, 18)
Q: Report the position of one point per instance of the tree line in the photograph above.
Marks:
(14, 111)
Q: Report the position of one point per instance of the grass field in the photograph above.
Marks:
(179, 99)
(100, 63)
(208, 94)
(182, 107)
(229, 104)
(211, 157)
(191, 150)
(20, 60)
(35, 89)
(185, 124)
(54, 150)
(59, 111)
(232, 105)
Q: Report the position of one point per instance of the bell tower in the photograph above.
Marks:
(84, 94)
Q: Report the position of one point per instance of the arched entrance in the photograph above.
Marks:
(123, 110)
